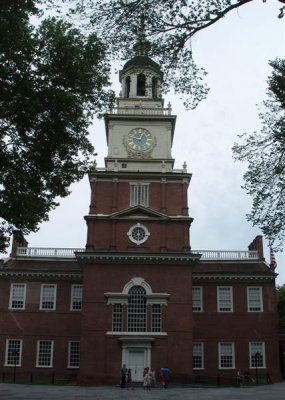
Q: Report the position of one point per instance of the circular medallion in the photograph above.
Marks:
(138, 234)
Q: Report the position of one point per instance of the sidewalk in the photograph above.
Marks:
(46, 392)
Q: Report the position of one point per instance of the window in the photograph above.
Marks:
(139, 194)
(137, 309)
(76, 297)
(138, 234)
(17, 296)
(254, 299)
(225, 299)
(44, 353)
(73, 354)
(128, 86)
(198, 356)
(141, 85)
(257, 354)
(117, 317)
(226, 356)
(48, 297)
(156, 318)
(197, 303)
(13, 352)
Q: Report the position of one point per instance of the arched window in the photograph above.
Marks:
(137, 309)
(141, 85)
(127, 86)
(154, 88)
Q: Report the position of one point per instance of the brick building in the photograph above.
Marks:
(138, 294)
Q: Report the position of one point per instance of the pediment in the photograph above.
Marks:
(138, 212)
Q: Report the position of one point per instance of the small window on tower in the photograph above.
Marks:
(139, 194)
(154, 88)
(124, 165)
(128, 86)
(141, 85)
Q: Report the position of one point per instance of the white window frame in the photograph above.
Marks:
(139, 194)
(201, 345)
(7, 351)
(232, 355)
(70, 354)
(52, 300)
(197, 308)
(74, 299)
(250, 301)
(51, 353)
(252, 352)
(156, 320)
(117, 317)
(219, 304)
(13, 296)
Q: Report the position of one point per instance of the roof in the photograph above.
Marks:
(141, 61)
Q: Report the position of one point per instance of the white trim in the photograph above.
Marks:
(137, 281)
(137, 334)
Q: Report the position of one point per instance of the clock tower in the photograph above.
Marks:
(137, 265)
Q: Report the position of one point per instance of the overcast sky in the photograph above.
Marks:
(235, 52)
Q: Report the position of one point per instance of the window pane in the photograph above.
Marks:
(137, 310)
(17, 296)
(13, 352)
(257, 355)
(139, 194)
(45, 348)
(224, 299)
(156, 318)
(74, 355)
(197, 356)
(254, 299)
(117, 317)
(226, 355)
(197, 299)
(48, 297)
(76, 297)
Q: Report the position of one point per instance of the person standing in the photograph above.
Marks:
(123, 376)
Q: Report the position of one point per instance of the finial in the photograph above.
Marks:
(184, 167)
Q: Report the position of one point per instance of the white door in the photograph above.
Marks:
(136, 359)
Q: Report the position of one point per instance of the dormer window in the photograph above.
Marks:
(141, 85)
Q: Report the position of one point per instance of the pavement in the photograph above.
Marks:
(8, 391)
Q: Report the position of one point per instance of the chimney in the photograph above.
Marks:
(257, 245)
(18, 241)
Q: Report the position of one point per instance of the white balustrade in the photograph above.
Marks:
(69, 253)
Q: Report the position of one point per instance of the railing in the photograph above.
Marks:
(69, 253)
(140, 111)
(227, 254)
(47, 252)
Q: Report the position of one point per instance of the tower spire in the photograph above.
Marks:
(142, 46)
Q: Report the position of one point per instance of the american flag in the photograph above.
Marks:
(273, 263)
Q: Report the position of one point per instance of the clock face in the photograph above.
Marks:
(139, 139)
